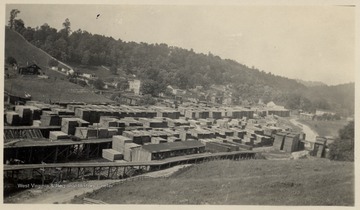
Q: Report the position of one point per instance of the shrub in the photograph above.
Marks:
(147, 100)
(82, 83)
(53, 62)
(99, 84)
(11, 60)
(343, 148)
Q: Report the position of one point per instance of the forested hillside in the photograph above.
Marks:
(161, 65)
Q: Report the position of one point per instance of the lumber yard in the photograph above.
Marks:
(119, 137)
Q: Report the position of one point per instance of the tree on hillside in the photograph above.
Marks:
(13, 14)
(184, 69)
(147, 100)
(152, 87)
(113, 69)
(86, 58)
(53, 62)
(122, 84)
(343, 148)
(348, 132)
(28, 34)
(19, 25)
(11, 60)
(65, 32)
(99, 84)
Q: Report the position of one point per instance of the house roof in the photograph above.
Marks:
(271, 104)
(32, 66)
(172, 146)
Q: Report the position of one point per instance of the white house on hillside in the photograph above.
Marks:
(134, 85)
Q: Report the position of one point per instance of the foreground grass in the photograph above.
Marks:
(325, 128)
(253, 182)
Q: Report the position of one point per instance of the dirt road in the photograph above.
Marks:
(310, 134)
(64, 193)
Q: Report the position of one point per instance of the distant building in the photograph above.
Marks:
(320, 112)
(198, 87)
(30, 70)
(227, 101)
(132, 100)
(175, 91)
(134, 85)
(273, 109)
(70, 72)
(306, 116)
(89, 76)
(271, 104)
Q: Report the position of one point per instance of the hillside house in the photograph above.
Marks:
(320, 112)
(134, 86)
(306, 116)
(128, 99)
(30, 70)
(89, 76)
(227, 100)
(175, 91)
(70, 72)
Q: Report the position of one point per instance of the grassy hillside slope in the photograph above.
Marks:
(56, 88)
(24, 52)
(52, 89)
(253, 182)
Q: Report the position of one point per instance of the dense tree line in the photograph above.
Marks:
(343, 148)
(160, 65)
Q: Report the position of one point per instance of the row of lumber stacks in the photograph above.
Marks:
(136, 136)
(172, 123)
(153, 122)
(57, 135)
(121, 148)
(319, 147)
(128, 150)
(22, 115)
(92, 113)
(167, 113)
(68, 125)
(119, 141)
(50, 118)
(51, 114)
(129, 140)
(229, 144)
(112, 155)
(202, 134)
(106, 128)
(288, 142)
(215, 114)
(12, 118)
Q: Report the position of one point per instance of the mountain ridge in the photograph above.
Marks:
(159, 65)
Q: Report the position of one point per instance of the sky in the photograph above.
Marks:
(313, 43)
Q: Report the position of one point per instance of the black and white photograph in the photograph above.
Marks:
(197, 104)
